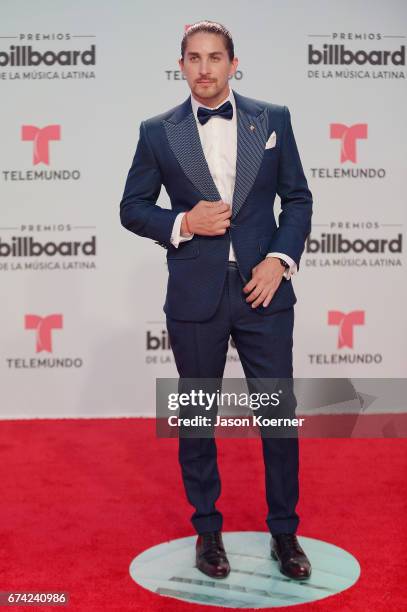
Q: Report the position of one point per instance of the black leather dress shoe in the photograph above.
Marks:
(292, 560)
(210, 555)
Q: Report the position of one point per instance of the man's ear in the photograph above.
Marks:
(181, 64)
(233, 68)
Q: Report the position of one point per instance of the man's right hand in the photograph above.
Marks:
(207, 219)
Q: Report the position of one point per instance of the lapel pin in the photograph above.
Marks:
(252, 128)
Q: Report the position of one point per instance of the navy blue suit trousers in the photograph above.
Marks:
(264, 345)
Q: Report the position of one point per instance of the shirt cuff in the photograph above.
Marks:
(176, 237)
(288, 271)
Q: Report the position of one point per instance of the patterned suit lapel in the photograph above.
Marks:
(183, 138)
(251, 140)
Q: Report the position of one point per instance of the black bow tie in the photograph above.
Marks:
(225, 111)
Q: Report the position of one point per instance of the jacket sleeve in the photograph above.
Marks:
(296, 199)
(139, 212)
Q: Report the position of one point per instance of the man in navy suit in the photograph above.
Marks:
(222, 158)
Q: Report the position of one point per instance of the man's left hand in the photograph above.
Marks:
(266, 278)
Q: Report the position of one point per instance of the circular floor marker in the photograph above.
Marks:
(254, 581)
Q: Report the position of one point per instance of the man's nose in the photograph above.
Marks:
(204, 68)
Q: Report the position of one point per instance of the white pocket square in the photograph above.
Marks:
(271, 141)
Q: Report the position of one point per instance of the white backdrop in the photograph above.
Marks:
(61, 187)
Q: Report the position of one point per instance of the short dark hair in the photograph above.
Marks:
(212, 27)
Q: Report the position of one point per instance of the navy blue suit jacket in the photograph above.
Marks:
(169, 153)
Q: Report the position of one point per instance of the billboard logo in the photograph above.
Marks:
(43, 327)
(348, 135)
(333, 243)
(346, 323)
(40, 137)
(340, 55)
(362, 57)
(26, 55)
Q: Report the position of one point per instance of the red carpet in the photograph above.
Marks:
(81, 498)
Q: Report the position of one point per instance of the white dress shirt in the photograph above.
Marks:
(219, 143)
